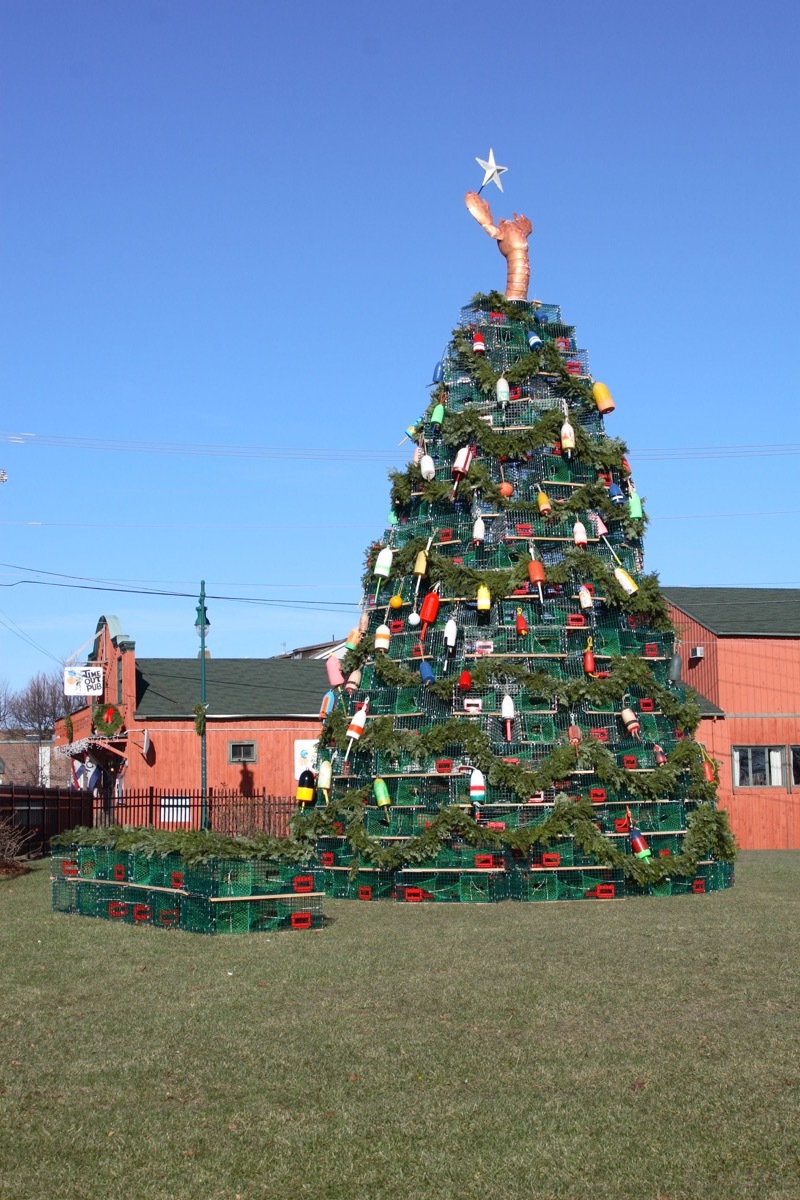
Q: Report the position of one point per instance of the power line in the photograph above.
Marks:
(223, 526)
(341, 454)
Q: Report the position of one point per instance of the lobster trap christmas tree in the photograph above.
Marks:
(508, 721)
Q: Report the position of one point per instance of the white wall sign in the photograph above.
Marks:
(305, 756)
(83, 681)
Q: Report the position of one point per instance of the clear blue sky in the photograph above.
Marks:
(241, 224)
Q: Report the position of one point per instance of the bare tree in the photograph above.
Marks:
(30, 716)
(5, 704)
(36, 707)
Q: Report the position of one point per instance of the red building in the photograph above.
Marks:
(741, 651)
(262, 718)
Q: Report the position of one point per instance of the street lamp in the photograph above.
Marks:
(202, 625)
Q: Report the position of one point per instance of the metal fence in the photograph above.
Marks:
(48, 811)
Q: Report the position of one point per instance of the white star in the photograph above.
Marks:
(492, 172)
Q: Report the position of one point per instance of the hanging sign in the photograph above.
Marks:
(83, 681)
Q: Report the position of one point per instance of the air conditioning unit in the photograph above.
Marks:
(697, 652)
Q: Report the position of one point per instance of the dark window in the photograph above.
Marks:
(795, 751)
(759, 766)
(241, 752)
(119, 681)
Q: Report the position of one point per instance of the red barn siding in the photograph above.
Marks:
(174, 759)
(756, 682)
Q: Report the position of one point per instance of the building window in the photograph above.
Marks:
(758, 766)
(795, 752)
(241, 752)
(119, 681)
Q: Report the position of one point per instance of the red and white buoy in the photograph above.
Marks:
(461, 466)
(353, 681)
(356, 727)
(631, 722)
(478, 344)
(508, 713)
(579, 535)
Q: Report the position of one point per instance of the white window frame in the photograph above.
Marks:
(775, 763)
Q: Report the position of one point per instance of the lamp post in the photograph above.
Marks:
(202, 625)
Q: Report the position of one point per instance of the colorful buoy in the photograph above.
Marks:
(382, 638)
(478, 344)
(502, 391)
(334, 668)
(602, 398)
(631, 722)
(353, 638)
(477, 786)
(507, 714)
(543, 502)
(325, 779)
(306, 789)
(356, 727)
(625, 581)
(426, 673)
(353, 681)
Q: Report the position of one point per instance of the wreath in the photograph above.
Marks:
(107, 719)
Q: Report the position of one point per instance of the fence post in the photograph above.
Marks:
(150, 806)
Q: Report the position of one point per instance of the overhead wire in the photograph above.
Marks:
(345, 454)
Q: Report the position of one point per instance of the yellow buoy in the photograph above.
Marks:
(602, 398)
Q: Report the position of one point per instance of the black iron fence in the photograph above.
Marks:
(48, 811)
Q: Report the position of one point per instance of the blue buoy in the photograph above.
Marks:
(426, 673)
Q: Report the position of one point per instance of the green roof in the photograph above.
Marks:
(707, 709)
(235, 687)
(742, 612)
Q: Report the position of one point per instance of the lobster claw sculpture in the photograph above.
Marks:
(512, 241)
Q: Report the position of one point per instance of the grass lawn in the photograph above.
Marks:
(644, 1048)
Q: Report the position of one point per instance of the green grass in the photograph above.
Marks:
(647, 1049)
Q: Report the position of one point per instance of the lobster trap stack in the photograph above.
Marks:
(509, 721)
(215, 896)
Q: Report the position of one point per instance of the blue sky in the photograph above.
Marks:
(241, 225)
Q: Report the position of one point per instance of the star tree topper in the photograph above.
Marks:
(492, 171)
